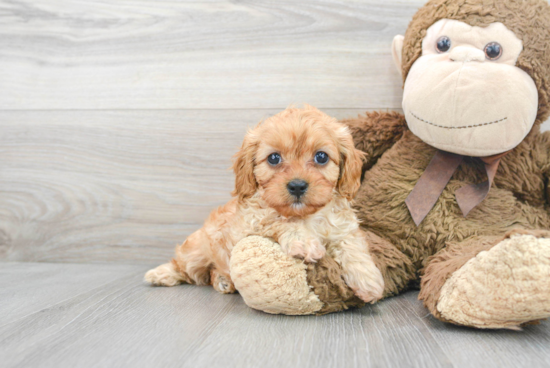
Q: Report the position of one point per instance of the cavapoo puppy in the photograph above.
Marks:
(296, 174)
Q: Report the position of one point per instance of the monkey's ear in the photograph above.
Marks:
(397, 52)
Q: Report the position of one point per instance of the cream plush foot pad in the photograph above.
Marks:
(501, 288)
(269, 280)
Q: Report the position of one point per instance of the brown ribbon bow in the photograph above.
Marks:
(438, 173)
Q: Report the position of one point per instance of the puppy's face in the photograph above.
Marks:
(297, 160)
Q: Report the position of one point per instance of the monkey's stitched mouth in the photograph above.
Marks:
(459, 127)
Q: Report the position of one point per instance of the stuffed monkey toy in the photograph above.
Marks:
(455, 195)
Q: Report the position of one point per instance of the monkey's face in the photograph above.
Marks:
(464, 94)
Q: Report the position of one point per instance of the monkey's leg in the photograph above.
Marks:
(490, 282)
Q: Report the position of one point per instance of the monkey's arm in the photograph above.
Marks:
(542, 152)
(375, 133)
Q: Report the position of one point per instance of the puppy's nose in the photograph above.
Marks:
(297, 187)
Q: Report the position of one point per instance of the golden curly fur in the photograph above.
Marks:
(307, 226)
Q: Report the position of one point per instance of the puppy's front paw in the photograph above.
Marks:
(366, 283)
(370, 295)
(310, 249)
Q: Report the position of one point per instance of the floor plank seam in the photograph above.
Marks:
(98, 288)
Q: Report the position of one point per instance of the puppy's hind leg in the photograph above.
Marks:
(190, 265)
(222, 283)
(165, 275)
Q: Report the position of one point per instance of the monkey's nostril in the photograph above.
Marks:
(297, 187)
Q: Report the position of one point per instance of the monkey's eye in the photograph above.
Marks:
(274, 159)
(493, 50)
(321, 158)
(443, 44)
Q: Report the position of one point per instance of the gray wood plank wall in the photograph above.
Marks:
(118, 120)
(155, 54)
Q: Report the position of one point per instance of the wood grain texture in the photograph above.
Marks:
(467, 347)
(114, 186)
(26, 289)
(125, 323)
(98, 54)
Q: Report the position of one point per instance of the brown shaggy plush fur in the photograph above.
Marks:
(375, 133)
(396, 158)
(325, 278)
(398, 271)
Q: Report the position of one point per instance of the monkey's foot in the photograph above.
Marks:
(505, 287)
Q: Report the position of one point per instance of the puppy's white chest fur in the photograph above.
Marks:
(329, 225)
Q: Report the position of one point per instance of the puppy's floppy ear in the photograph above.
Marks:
(351, 165)
(243, 166)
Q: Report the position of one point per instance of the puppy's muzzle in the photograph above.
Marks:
(297, 188)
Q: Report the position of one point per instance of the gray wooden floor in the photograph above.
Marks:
(75, 315)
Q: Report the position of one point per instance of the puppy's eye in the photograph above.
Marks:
(274, 159)
(321, 158)
(443, 44)
(493, 50)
